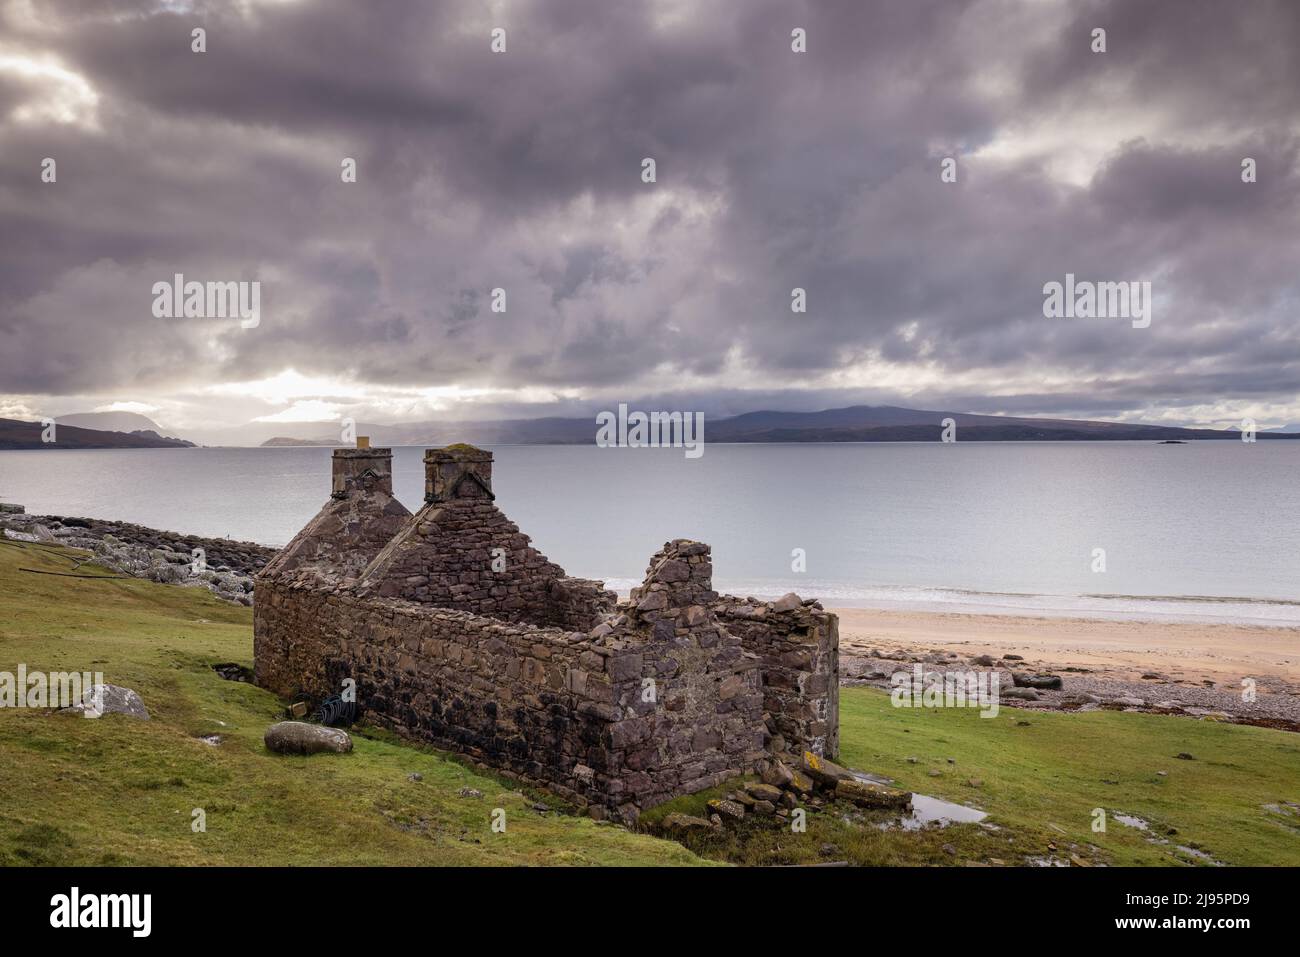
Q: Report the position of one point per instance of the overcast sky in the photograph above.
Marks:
(522, 170)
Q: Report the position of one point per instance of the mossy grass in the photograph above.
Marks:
(123, 791)
(1041, 777)
(118, 790)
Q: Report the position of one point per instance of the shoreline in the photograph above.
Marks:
(1169, 667)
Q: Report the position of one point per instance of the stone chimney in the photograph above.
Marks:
(357, 470)
(457, 472)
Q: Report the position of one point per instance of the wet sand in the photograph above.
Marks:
(1124, 650)
(1172, 668)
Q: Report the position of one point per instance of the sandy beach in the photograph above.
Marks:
(1198, 665)
(1123, 649)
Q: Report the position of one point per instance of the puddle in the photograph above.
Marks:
(925, 809)
(212, 739)
(930, 810)
(1199, 855)
(1129, 820)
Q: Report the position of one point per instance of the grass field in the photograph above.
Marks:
(119, 790)
(123, 791)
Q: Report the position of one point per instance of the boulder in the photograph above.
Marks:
(866, 794)
(800, 782)
(298, 737)
(1018, 694)
(823, 771)
(777, 775)
(787, 602)
(686, 822)
(110, 699)
(764, 792)
(1042, 682)
(727, 809)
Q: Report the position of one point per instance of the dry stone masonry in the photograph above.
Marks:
(456, 631)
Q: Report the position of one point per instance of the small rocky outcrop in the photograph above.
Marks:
(226, 569)
(99, 700)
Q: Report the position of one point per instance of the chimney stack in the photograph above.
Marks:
(457, 472)
(362, 469)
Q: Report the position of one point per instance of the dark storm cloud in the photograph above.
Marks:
(775, 170)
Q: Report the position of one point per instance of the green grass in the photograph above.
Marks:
(1040, 776)
(1043, 771)
(122, 791)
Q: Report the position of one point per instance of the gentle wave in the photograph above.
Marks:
(1268, 613)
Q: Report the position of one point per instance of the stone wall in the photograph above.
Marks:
(797, 642)
(460, 551)
(614, 707)
(351, 529)
(648, 706)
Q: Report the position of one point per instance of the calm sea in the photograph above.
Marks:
(1207, 530)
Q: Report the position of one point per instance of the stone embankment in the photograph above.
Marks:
(226, 567)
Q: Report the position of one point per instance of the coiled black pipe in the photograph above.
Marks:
(334, 711)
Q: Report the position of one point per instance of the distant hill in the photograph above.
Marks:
(862, 423)
(281, 441)
(110, 421)
(15, 434)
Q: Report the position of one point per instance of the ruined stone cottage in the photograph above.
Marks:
(459, 633)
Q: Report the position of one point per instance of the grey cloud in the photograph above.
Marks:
(775, 171)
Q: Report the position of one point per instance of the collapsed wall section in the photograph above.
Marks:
(797, 643)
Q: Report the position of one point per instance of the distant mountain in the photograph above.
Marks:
(551, 431)
(281, 441)
(110, 421)
(862, 423)
(15, 434)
